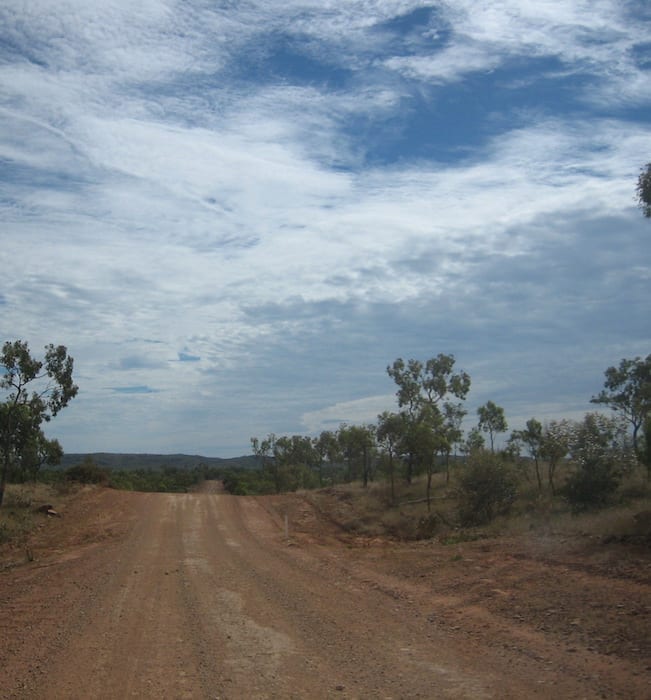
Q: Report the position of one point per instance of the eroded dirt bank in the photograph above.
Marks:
(204, 596)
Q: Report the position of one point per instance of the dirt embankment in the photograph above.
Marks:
(210, 596)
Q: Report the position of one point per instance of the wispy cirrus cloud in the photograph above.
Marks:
(255, 208)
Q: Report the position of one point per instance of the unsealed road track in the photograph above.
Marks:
(203, 596)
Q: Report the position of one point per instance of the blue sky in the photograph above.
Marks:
(236, 215)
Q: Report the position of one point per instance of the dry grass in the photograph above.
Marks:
(370, 512)
(19, 514)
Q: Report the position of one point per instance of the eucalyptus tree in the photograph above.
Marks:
(34, 392)
(423, 391)
(453, 415)
(601, 453)
(474, 442)
(328, 452)
(431, 440)
(357, 443)
(554, 446)
(492, 421)
(390, 435)
(628, 391)
(296, 462)
(531, 437)
(264, 450)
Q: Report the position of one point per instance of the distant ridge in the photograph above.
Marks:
(129, 462)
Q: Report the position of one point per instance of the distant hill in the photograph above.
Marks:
(130, 462)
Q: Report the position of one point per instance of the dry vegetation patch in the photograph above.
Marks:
(582, 582)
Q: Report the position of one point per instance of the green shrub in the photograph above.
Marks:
(487, 488)
(87, 472)
(591, 485)
(600, 453)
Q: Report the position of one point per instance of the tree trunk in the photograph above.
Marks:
(539, 479)
(552, 469)
(636, 427)
(3, 480)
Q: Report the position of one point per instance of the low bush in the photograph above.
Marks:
(487, 488)
(593, 484)
(601, 455)
(87, 472)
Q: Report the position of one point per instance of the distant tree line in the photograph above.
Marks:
(164, 478)
(424, 436)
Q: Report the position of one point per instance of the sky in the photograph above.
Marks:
(235, 215)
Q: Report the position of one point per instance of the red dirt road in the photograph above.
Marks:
(203, 596)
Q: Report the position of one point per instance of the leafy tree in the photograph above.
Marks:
(295, 461)
(600, 452)
(628, 390)
(35, 391)
(453, 415)
(328, 451)
(36, 452)
(264, 451)
(531, 438)
(643, 190)
(492, 421)
(87, 472)
(487, 488)
(430, 441)
(474, 442)
(422, 389)
(646, 451)
(554, 445)
(358, 447)
(390, 434)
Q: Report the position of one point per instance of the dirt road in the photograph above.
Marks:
(203, 596)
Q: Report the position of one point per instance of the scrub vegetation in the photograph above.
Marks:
(413, 473)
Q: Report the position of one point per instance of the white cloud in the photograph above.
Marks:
(594, 38)
(357, 412)
(159, 193)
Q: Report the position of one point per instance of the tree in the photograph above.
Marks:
(646, 449)
(492, 421)
(628, 390)
(390, 433)
(37, 452)
(358, 447)
(295, 462)
(88, 472)
(328, 450)
(487, 488)
(474, 442)
(600, 451)
(554, 445)
(453, 415)
(531, 437)
(422, 389)
(264, 451)
(430, 440)
(35, 392)
(643, 190)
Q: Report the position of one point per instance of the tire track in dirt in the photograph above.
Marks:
(134, 639)
(343, 641)
(202, 596)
